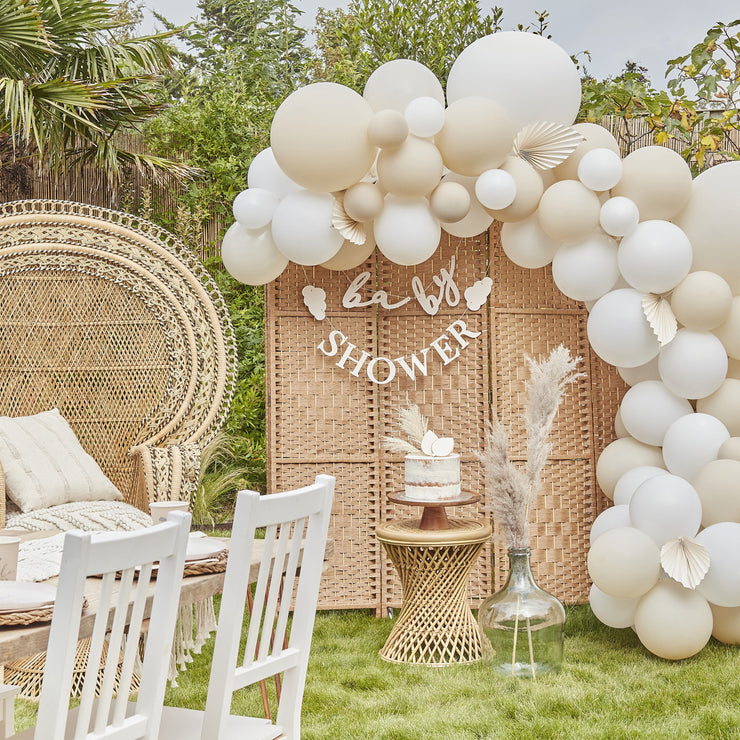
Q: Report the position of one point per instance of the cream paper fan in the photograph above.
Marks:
(350, 229)
(660, 316)
(685, 560)
(545, 145)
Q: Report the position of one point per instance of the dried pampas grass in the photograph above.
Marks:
(415, 426)
(512, 490)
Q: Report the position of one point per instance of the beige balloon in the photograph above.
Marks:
(673, 622)
(450, 202)
(724, 404)
(351, 255)
(388, 129)
(477, 220)
(568, 211)
(729, 330)
(597, 137)
(529, 189)
(619, 428)
(726, 627)
(319, 137)
(730, 449)
(623, 455)
(414, 169)
(733, 368)
(702, 300)
(718, 486)
(657, 179)
(477, 136)
(363, 201)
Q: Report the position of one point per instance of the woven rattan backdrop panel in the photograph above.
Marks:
(321, 418)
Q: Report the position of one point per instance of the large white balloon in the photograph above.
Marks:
(649, 408)
(691, 442)
(655, 256)
(406, 232)
(609, 610)
(265, 173)
(588, 269)
(631, 481)
(251, 257)
(529, 75)
(302, 228)
(611, 518)
(618, 330)
(253, 208)
(721, 584)
(396, 83)
(693, 364)
(526, 244)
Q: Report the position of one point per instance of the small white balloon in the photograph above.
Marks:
(630, 482)
(406, 232)
(611, 611)
(251, 257)
(425, 116)
(495, 189)
(649, 408)
(694, 364)
(611, 518)
(721, 584)
(253, 208)
(691, 442)
(619, 216)
(265, 173)
(600, 169)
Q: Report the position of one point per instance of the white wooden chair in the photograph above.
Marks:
(132, 554)
(289, 518)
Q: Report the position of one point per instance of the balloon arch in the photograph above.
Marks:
(652, 252)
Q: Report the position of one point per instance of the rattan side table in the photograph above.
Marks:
(436, 626)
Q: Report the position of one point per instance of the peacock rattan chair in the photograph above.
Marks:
(113, 321)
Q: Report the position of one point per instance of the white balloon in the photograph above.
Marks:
(666, 506)
(721, 584)
(691, 442)
(600, 169)
(302, 228)
(611, 611)
(251, 257)
(618, 330)
(253, 208)
(614, 516)
(529, 75)
(619, 216)
(396, 83)
(425, 116)
(526, 244)
(649, 408)
(693, 364)
(635, 375)
(265, 173)
(655, 257)
(406, 232)
(477, 219)
(587, 270)
(631, 481)
(495, 189)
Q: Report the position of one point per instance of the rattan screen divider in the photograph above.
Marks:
(323, 419)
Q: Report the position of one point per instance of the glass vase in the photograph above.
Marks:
(522, 625)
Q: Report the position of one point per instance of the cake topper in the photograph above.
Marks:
(422, 440)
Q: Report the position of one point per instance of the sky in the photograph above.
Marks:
(646, 31)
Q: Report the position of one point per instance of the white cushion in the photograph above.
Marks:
(45, 465)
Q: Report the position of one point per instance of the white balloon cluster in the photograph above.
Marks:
(396, 163)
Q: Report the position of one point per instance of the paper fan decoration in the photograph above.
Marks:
(545, 145)
(350, 229)
(685, 560)
(660, 316)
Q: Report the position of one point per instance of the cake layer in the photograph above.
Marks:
(432, 478)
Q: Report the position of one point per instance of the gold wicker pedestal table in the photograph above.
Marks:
(436, 626)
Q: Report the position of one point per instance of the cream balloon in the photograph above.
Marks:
(630, 481)
(619, 216)
(600, 169)
(624, 562)
(425, 116)
(657, 179)
(729, 330)
(527, 245)
(568, 211)
(710, 222)
(702, 300)
(718, 486)
(351, 255)
(649, 408)
(414, 169)
(724, 404)
(529, 75)
(691, 442)
(721, 584)
(619, 428)
(319, 136)
(396, 83)
(618, 330)
(613, 612)
(586, 270)
(495, 189)
(673, 622)
(726, 624)
(614, 516)
(595, 137)
(363, 201)
(477, 136)
(302, 228)
(733, 368)
(265, 173)
(406, 232)
(387, 129)
(253, 208)
(635, 375)
(620, 456)
(693, 364)
(251, 257)
(450, 201)
(529, 189)
(730, 449)
(477, 220)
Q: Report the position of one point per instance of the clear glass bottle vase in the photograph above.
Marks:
(522, 625)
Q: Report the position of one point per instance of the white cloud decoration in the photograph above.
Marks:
(315, 300)
(477, 294)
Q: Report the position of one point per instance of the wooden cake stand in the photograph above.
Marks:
(435, 516)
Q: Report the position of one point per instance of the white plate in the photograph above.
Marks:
(200, 548)
(20, 596)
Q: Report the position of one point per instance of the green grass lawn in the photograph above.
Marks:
(610, 687)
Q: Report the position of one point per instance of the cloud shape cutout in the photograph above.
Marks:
(315, 300)
(477, 294)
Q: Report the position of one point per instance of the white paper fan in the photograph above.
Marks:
(685, 560)
(660, 316)
(350, 229)
(545, 145)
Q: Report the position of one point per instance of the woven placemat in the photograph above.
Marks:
(216, 564)
(22, 618)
